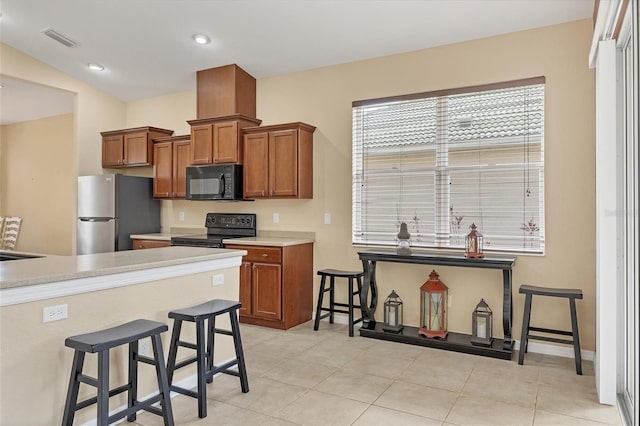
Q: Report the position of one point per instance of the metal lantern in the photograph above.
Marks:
(433, 303)
(393, 313)
(473, 244)
(404, 240)
(482, 325)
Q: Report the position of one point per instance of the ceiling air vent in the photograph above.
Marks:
(59, 37)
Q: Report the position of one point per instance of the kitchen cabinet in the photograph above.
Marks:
(225, 90)
(218, 140)
(278, 161)
(147, 244)
(276, 285)
(171, 157)
(130, 147)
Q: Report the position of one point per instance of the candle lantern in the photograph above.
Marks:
(404, 240)
(473, 246)
(433, 303)
(481, 325)
(393, 313)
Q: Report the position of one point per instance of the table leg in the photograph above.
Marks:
(507, 307)
(368, 283)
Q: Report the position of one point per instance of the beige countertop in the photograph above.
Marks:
(51, 268)
(268, 241)
(264, 238)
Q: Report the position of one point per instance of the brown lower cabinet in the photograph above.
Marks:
(276, 285)
(147, 244)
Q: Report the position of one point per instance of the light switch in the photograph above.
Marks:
(276, 217)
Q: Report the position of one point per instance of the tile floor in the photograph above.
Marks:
(302, 377)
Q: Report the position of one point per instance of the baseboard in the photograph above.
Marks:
(538, 348)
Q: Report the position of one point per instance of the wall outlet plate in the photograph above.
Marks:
(217, 279)
(276, 217)
(54, 313)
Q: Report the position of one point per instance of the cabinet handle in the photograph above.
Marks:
(264, 255)
(254, 267)
(271, 193)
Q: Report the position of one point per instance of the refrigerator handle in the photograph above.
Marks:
(95, 219)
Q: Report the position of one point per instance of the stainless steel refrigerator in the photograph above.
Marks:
(111, 208)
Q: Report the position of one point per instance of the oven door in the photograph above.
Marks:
(206, 183)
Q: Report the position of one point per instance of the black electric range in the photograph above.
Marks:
(220, 226)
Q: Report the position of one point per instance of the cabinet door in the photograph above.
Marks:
(245, 288)
(266, 291)
(202, 144)
(136, 149)
(283, 163)
(147, 244)
(256, 165)
(112, 150)
(226, 148)
(181, 158)
(163, 170)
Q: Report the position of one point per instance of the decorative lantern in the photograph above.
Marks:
(481, 325)
(433, 301)
(404, 240)
(473, 244)
(393, 313)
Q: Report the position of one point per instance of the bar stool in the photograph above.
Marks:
(333, 274)
(529, 291)
(101, 342)
(204, 347)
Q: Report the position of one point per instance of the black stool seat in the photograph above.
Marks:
(572, 294)
(333, 274)
(101, 342)
(204, 347)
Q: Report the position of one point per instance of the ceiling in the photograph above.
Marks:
(147, 49)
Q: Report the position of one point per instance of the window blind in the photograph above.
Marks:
(441, 161)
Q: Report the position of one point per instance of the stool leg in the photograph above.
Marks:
(211, 334)
(163, 380)
(132, 394)
(201, 367)
(103, 388)
(72, 392)
(173, 349)
(576, 338)
(332, 298)
(350, 303)
(319, 304)
(524, 335)
(237, 342)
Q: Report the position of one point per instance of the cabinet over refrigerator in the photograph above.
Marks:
(112, 207)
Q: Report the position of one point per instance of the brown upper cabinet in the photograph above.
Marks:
(171, 157)
(225, 90)
(278, 161)
(130, 147)
(218, 140)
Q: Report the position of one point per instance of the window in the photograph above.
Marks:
(440, 161)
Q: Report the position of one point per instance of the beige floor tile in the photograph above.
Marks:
(576, 404)
(439, 369)
(364, 388)
(258, 363)
(274, 421)
(332, 352)
(567, 380)
(480, 411)
(528, 372)
(395, 350)
(318, 408)
(288, 345)
(419, 400)
(501, 387)
(252, 334)
(544, 418)
(366, 363)
(264, 396)
(299, 373)
(379, 416)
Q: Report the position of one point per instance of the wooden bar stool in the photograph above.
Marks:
(332, 274)
(204, 347)
(529, 291)
(101, 342)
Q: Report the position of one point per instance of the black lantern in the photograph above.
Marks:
(473, 244)
(404, 240)
(393, 313)
(481, 324)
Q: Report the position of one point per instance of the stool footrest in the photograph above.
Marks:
(185, 362)
(551, 339)
(137, 406)
(183, 391)
(153, 410)
(91, 381)
(222, 367)
(339, 311)
(146, 360)
(222, 331)
(187, 345)
(550, 330)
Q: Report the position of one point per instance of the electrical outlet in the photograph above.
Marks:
(54, 313)
(327, 218)
(217, 280)
(144, 346)
(181, 216)
(276, 217)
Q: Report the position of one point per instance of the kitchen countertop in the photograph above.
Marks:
(51, 268)
(268, 241)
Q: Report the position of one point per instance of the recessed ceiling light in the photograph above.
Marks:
(201, 39)
(95, 67)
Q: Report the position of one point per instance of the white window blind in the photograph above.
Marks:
(441, 161)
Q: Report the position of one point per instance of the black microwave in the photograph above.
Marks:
(219, 182)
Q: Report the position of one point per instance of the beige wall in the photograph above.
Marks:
(322, 97)
(38, 181)
(36, 364)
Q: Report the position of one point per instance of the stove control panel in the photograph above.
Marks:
(231, 221)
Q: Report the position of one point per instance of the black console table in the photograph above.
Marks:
(501, 348)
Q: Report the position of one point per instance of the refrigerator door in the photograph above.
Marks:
(96, 235)
(97, 196)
